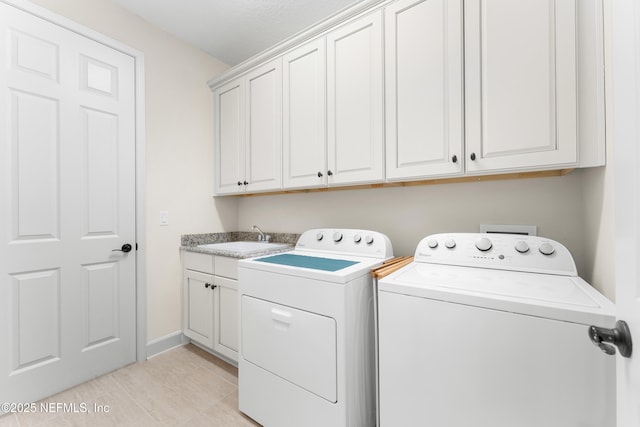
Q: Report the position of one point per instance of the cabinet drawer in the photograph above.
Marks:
(226, 267)
(198, 262)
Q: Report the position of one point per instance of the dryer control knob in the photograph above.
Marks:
(337, 236)
(319, 236)
(433, 243)
(547, 249)
(483, 244)
(357, 238)
(522, 247)
(368, 239)
(450, 244)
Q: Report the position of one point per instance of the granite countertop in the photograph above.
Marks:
(190, 242)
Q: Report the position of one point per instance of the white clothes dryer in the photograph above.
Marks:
(492, 331)
(306, 351)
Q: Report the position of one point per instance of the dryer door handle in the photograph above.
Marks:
(281, 316)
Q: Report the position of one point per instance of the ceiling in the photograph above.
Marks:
(233, 30)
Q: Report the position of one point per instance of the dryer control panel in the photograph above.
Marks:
(346, 241)
(497, 251)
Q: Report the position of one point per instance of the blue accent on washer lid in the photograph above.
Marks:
(312, 262)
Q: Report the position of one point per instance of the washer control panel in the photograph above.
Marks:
(346, 241)
(497, 251)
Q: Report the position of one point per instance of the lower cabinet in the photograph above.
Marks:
(210, 298)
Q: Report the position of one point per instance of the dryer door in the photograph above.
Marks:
(296, 345)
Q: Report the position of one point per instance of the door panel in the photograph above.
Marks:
(304, 118)
(67, 153)
(354, 98)
(520, 91)
(423, 71)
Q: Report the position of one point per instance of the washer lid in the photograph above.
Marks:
(306, 261)
(559, 297)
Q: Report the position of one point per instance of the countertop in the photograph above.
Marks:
(190, 242)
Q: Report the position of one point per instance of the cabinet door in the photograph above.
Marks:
(304, 124)
(198, 307)
(226, 317)
(520, 59)
(424, 81)
(354, 102)
(264, 127)
(229, 138)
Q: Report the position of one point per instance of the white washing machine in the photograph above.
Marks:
(492, 331)
(306, 351)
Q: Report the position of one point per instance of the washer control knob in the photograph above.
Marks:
(433, 243)
(319, 236)
(522, 247)
(450, 244)
(337, 236)
(357, 238)
(483, 244)
(368, 239)
(547, 249)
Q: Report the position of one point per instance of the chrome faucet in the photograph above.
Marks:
(261, 236)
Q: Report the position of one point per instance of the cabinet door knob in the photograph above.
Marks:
(245, 183)
(239, 183)
(214, 286)
(206, 285)
(319, 174)
(473, 156)
(329, 173)
(454, 159)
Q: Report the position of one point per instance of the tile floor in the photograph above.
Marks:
(183, 386)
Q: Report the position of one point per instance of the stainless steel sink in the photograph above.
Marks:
(243, 247)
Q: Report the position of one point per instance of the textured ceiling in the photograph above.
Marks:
(233, 30)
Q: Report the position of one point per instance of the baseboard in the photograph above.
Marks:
(162, 344)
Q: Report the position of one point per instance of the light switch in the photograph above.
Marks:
(164, 217)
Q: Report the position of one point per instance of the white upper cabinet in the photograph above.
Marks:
(401, 90)
(248, 132)
(355, 102)
(264, 127)
(304, 116)
(229, 137)
(521, 80)
(424, 84)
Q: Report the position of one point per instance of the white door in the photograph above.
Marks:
(520, 89)
(626, 140)
(304, 133)
(226, 317)
(229, 138)
(263, 104)
(423, 72)
(198, 307)
(67, 185)
(355, 102)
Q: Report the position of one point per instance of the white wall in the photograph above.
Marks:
(179, 147)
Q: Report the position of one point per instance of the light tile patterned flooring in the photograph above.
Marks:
(184, 386)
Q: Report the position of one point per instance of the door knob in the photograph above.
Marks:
(606, 339)
(125, 248)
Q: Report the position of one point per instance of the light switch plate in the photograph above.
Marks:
(164, 217)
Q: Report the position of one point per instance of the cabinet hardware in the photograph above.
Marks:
(329, 173)
(473, 156)
(319, 174)
(454, 159)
